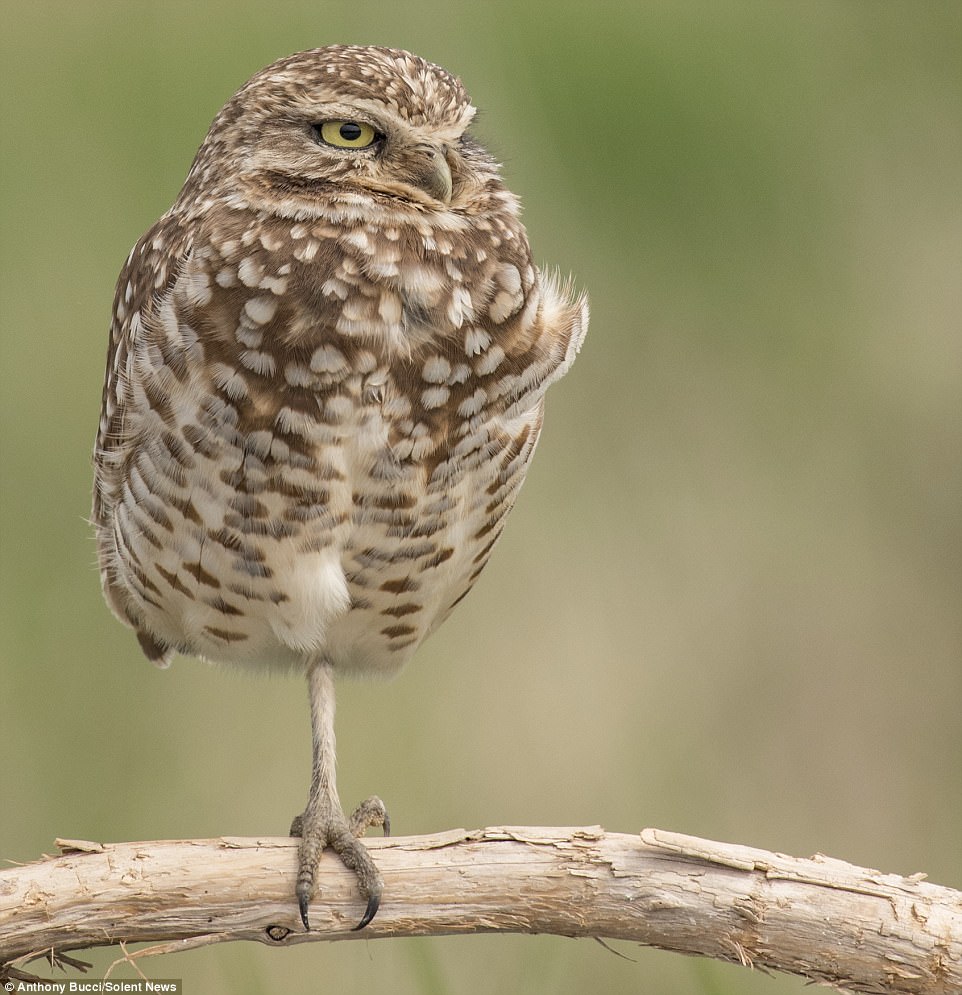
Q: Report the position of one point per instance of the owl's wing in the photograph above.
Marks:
(147, 276)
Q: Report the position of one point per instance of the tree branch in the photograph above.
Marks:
(823, 919)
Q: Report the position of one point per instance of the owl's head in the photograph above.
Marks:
(346, 121)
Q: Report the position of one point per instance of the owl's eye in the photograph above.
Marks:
(347, 134)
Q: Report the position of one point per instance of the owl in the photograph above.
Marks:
(325, 382)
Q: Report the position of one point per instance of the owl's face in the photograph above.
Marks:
(347, 122)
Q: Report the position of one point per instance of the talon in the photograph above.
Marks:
(369, 913)
(303, 903)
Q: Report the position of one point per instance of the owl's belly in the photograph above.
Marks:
(344, 553)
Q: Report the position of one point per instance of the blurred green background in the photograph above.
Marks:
(730, 600)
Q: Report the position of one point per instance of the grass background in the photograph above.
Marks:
(729, 601)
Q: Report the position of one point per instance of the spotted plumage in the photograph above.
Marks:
(324, 384)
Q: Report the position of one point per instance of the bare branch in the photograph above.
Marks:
(847, 926)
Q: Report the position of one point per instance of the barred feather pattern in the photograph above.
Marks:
(325, 377)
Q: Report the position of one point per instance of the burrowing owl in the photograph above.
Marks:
(324, 384)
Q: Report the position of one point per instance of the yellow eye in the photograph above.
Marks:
(348, 134)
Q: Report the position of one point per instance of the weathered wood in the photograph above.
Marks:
(850, 927)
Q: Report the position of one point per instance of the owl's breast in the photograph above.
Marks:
(318, 434)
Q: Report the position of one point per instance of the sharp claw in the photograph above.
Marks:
(369, 913)
(303, 903)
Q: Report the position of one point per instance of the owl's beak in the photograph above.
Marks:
(432, 174)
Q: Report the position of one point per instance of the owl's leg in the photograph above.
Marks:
(323, 823)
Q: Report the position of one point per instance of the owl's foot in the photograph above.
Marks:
(324, 825)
